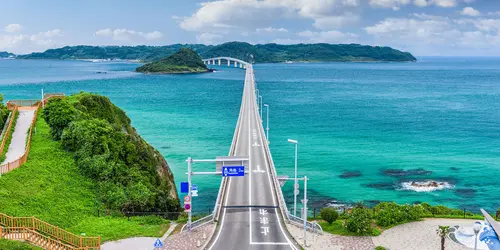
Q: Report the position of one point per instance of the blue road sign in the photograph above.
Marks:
(194, 187)
(228, 171)
(158, 243)
(184, 187)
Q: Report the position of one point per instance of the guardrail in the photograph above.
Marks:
(35, 238)
(55, 232)
(198, 223)
(222, 188)
(9, 166)
(493, 223)
(8, 130)
(311, 226)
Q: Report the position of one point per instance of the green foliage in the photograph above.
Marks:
(50, 187)
(16, 245)
(184, 60)
(4, 113)
(359, 221)
(376, 232)
(329, 214)
(442, 231)
(130, 174)
(380, 248)
(9, 138)
(390, 214)
(260, 53)
(59, 113)
(5, 54)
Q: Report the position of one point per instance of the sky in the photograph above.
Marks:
(422, 27)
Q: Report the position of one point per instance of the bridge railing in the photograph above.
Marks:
(223, 184)
(274, 175)
(198, 223)
(311, 226)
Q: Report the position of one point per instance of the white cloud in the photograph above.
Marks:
(222, 16)
(271, 30)
(128, 35)
(332, 36)
(397, 4)
(208, 38)
(24, 43)
(14, 27)
(329, 22)
(469, 11)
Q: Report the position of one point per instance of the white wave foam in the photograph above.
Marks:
(425, 186)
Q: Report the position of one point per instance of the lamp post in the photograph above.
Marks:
(477, 228)
(295, 183)
(267, 121)
(260, 98)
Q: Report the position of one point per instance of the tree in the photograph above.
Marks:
(329, 214)
(359, 221)
(442, 231)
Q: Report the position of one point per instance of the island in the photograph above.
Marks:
(5, 54)
(181, 62)
(258, 53)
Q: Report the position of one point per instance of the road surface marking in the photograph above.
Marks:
(265, 230)
(258, 170)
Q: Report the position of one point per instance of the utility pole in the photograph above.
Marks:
(190, 160)
(267, 121)
(305, 210)
(43, 103)
(295, 182)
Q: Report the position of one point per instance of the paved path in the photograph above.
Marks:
(330, 241)
(189, 240)
(18, 143)
(419, 235)
(136, 243)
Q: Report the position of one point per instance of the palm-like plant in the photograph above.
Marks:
(443, 232)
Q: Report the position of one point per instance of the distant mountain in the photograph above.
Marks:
(260, 53)
(5, 54)
(183, 61)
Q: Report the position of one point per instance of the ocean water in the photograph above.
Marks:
(365, 130)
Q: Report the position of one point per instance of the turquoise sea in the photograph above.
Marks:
(364, 129)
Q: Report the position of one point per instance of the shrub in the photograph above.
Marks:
(390, 213)
(376, 232)
(380, 248)
(359, 221)
(329, 214)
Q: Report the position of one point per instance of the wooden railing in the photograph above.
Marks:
(9, 166)
(35, 238)
(47, 230)
(8, 131)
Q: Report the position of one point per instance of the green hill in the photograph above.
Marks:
(260, 53)
(183, 61)
(5, 54)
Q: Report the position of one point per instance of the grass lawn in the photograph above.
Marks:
(16, 245)
(50, 187)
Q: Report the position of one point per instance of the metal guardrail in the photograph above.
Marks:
(222, 188)
(198, 223)
(493, 223)
(311, 226)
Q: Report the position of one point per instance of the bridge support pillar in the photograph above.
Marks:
(213, 62)
(219, 62)
(241, 65)
(228, 63)
(236, 64)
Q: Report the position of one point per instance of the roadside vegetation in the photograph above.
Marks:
(4, 113)
(51, 187)
(364, 221)
(3, 156)
(16, 245)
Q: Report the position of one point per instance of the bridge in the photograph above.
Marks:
(218, 61)
(251, 211)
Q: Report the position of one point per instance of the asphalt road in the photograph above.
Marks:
(250, 218)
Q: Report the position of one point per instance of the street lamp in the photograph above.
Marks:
(295, 183)
(260, 98)
(267, 121)
(477, 228)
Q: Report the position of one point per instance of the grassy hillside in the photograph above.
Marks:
(50, 186)
(16, 245)
(183, 61)
(260, 53)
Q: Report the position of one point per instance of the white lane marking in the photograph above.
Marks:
(255, 144)
(227, 198)
(269, 243)
(274, 198)
(258, 170)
